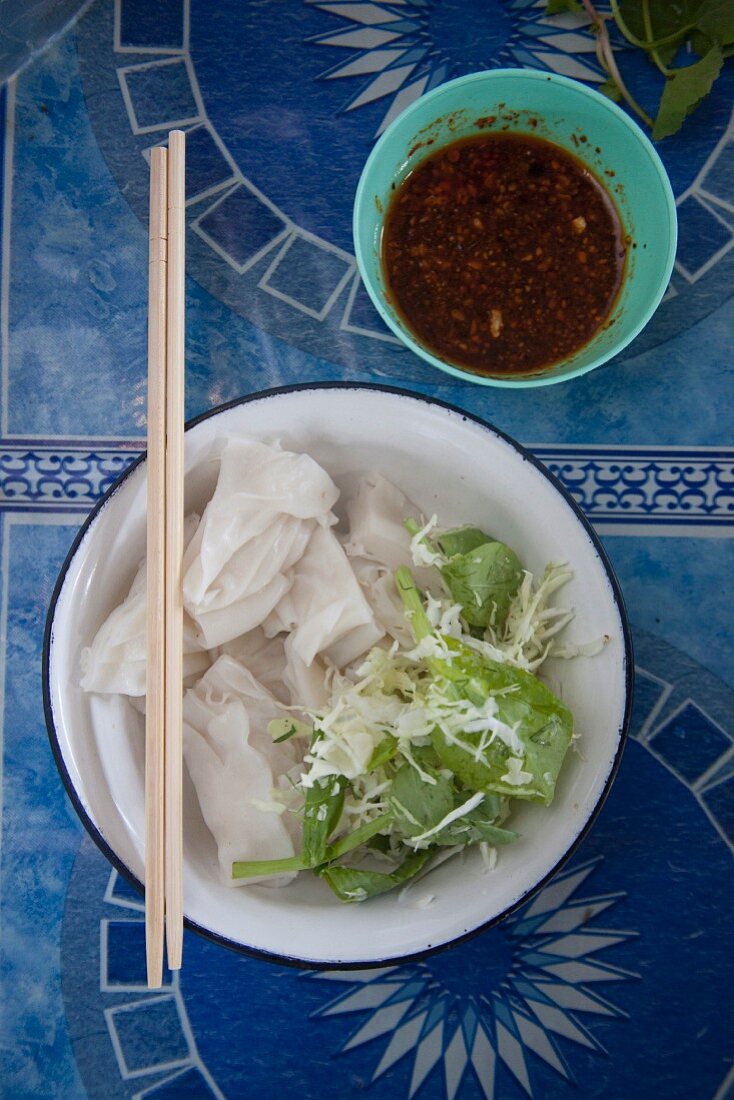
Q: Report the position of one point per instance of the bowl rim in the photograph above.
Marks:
(296, 961)
(361, 202)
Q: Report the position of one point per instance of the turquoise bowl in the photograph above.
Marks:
(578, 119)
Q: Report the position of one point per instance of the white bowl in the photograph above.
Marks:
(449, 463)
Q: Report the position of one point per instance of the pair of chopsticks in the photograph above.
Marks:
(163, 724)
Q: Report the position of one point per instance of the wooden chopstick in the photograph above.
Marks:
(163, 746)
(174, 514)
(155, 705)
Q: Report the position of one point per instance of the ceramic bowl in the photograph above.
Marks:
(449, 463)
(582, 121)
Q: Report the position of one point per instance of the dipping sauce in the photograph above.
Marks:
(503, 253)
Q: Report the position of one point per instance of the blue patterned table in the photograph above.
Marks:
(615, 980)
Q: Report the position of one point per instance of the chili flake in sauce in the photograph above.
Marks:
(503, 253)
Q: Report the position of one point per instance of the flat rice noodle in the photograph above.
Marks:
(325, 610)
(256, 526)
(235, 768)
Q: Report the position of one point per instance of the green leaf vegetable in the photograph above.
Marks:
(482, 574)
(684, 90)
(363, 835)
(666, 32)
(484, 582)
(353, 884)
(421, 751)
(323, 809)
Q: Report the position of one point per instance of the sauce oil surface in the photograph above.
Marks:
(503, 253)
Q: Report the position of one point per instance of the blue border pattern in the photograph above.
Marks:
(648, 489)
(60, 479)
(682, 489)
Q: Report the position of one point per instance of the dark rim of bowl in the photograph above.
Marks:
(431, 949)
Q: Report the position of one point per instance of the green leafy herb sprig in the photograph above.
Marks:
(661, 28)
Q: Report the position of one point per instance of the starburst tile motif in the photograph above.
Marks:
(521, 995)
(395, 50)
